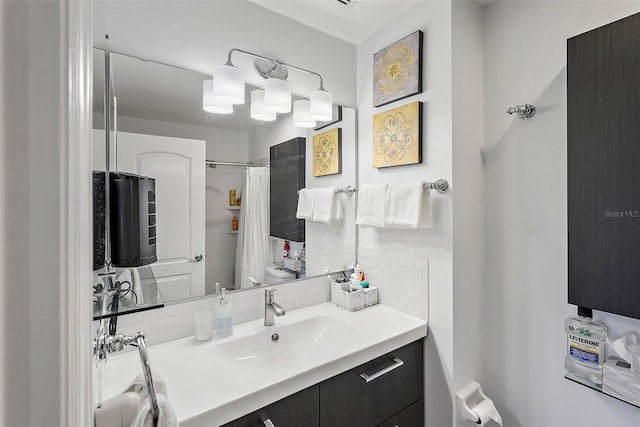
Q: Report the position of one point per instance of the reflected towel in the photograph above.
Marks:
(326, 205)
(371, 205)
(139, 385)
(166, 418)
(306, 198)
(408, 206)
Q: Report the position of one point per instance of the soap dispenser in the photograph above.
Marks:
(224, 316)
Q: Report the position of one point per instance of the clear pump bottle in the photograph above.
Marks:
(224, 317)
(585, 346)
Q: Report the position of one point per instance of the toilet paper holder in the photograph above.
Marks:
(471, 400)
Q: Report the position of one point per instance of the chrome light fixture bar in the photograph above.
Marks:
(229, 87)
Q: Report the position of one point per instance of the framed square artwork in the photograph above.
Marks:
(397, 136)
(397, 70)
(327, 152)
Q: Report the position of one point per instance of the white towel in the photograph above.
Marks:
(326, 205)
(139, 385)
(407, 206)
(166, 418)
(371, 205)
(306, 198)
(137, 285)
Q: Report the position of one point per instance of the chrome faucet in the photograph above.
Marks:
(271, 308)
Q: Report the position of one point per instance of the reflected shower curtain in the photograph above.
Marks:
(253, 233)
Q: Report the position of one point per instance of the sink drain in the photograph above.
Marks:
(275, 337)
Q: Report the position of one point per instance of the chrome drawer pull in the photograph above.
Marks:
(268, 423)
(396, 364)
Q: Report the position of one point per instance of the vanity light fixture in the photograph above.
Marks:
(229, 82)
(302, 114)
(258, 112)
(210, 103)
(277, 95)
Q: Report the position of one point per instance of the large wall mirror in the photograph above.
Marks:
(214, 174)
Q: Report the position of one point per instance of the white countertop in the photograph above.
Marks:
(206, 388)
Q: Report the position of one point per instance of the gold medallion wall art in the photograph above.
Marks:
(397, 136)
(327, 152)
(397, 70)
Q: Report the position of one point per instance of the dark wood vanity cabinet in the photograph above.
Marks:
(298, 410)
(349, 400)
(387, 391)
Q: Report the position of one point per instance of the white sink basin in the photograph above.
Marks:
(298, 341)
(218, 381)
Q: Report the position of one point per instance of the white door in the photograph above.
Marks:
(178, 166)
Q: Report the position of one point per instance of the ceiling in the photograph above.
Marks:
(353, 23)
(167, 35)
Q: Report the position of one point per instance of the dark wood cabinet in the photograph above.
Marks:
(287, 176)
(413, 416)
(603, 167)
(387, 391)
(298, 410)
(361, 398)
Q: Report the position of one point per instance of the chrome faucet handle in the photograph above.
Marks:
(268, 295)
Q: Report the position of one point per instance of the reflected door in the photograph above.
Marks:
(178, 166)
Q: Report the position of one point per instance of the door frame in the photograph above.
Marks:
(76, 400)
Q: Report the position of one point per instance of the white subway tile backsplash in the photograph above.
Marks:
(391, 257)
(413, 272)
(420, 283)
(412, 292)
(405, 260)
(403, 279)
(421, 263)
(175, 321)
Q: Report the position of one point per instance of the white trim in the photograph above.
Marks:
(76, 396)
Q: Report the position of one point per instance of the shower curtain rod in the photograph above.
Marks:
(214, 163)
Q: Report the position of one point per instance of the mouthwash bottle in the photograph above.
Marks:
(585, 346)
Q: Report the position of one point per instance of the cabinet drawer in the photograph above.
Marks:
(298, 410)
(374, 391)
(413, 416)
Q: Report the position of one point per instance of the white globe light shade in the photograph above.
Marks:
(212, 105)
(302, 114)
(277, 95)
(258, 112)
(228, 84)
(321, 103)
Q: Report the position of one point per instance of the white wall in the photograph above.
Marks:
(221, 240)
(525, 212)
(468, 218)
(334, 245)
(272, 133)
(222, 144)
(198, 34)
(430, 295)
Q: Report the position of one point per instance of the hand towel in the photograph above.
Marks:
(139, 385)
(137, 285)
(323, 205)
(371, 205)
(408, 206)
(166, 418)
(337, 207)
(306, 198)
